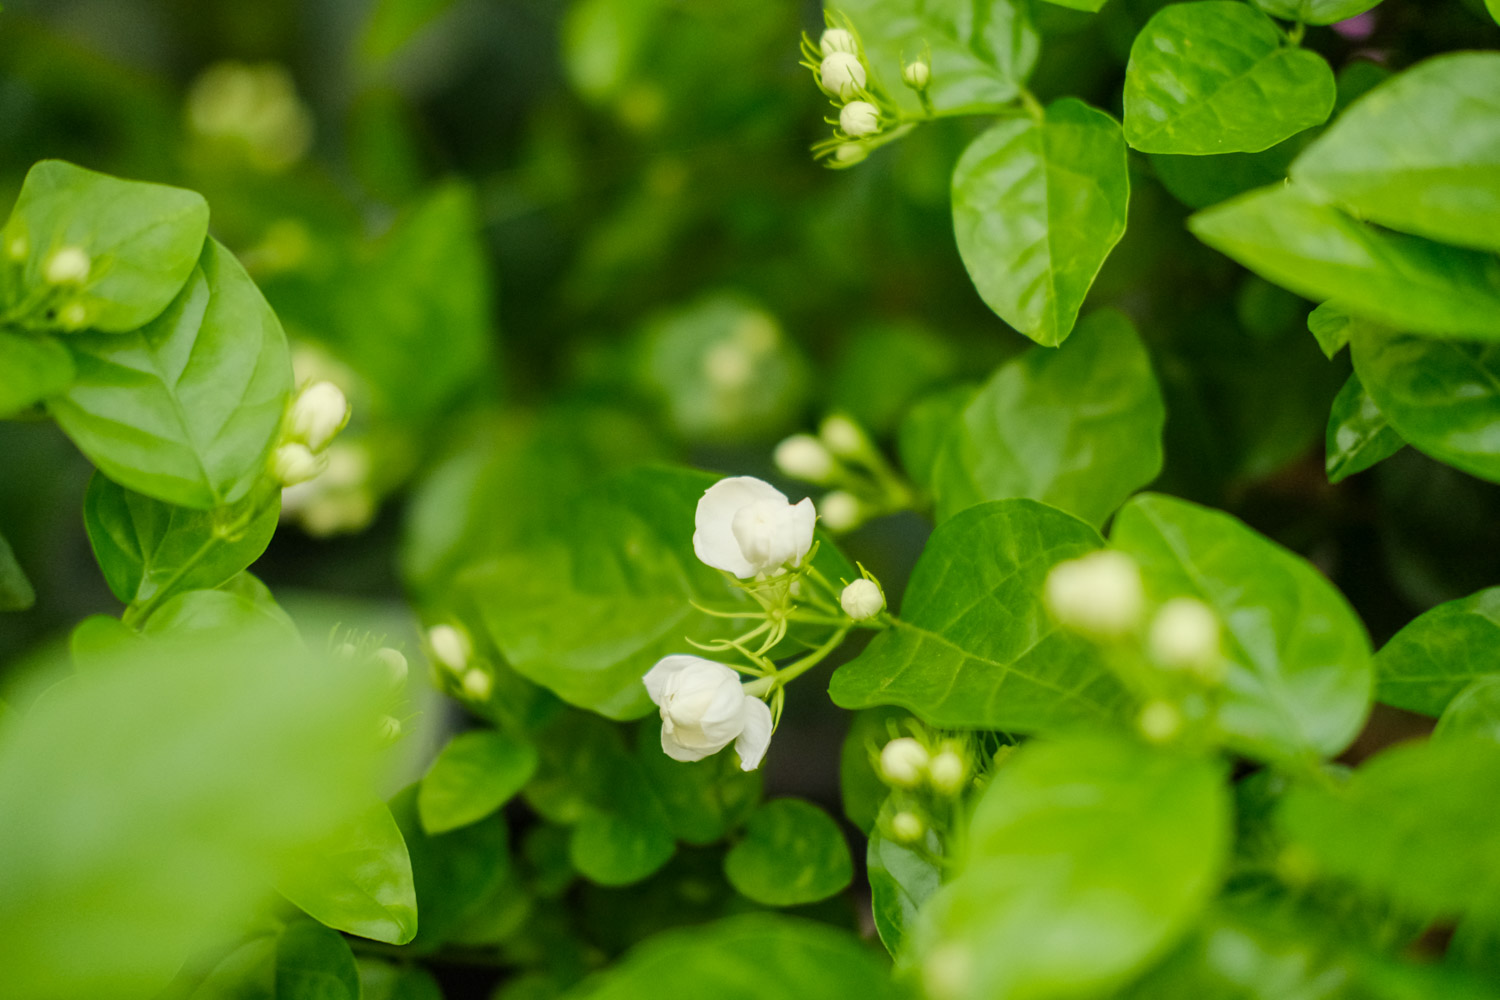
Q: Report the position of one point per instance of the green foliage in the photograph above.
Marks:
(792, 853)
(1358, 433)
(16, 592)
(35, 368)
(314, 963)
(1315, 11)
(901, 880)
(477, 773)
(1434, 657)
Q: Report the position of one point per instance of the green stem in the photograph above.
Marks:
(802, 666)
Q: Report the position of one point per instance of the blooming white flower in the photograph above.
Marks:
(916, 75)
(704, 708)
(862, 599)
(450, 646)
(837, 40)
(843, 74)
(67, 266)
(320, 412)
(295, 463)
(803, 456)
(859, 118)
(1185, 633)
(746, 526)
(903, 762)
(1099, 594)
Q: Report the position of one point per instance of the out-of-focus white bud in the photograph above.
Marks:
(67, 266)
(450, 647)
(1099, 594)
(843, 436)
(850, 153)
(346, 651)
(838, 40)
(803, 456)
(390, 729)
(1185, 634)
(947, 773)
(74, 316)
(477, 685)
(907, 827)
(841, 511)
(859, 118)
(17, 247)
(915, 75)
(903, 762)
(1159, 721)
(294, 463)
(948, 972)
(394, 664)
(862, 600)
(320, 412)
(843, 75)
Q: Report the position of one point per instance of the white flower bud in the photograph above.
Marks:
(704, 708)
(843, 75)
(915, 75)
(841, 511)
(859, 118)
(389, 728)
(17, 247)
(843, 436)
(1159, 721)
(450, 647)
(1185, 634)
(746, 526)
(947, 773)
(903, 762)
(477, 685)
(394, 664)
(320, 412)
(850, 153)
(803, 456)
(862, 600)
(907, 827)
(948, 972)
(294, 463)
(74, 316)
(1099, 594)
(67, 266)
(346, 651)
(838, 40)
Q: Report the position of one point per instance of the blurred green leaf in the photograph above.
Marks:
(1330, 326)
(455, 873)
(218, 614)
(882, 369)
(624, 834)
(33, 368)
(393, 24)
(704, 800)
(1473, 712)
(385, 981)
(602, 42)
(1315, 11)
(925, 429)
(1201, 181)
(901, 880)
(792, 853)
(1439, 652)
(16, 593)
(1358, 434)
(476, 773)
(314, 963)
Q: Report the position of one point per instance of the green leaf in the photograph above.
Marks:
(1315, 11)
(623, 832)
(974, 647)
(186, 409)
(393, 24)
(1473, 712)
(1285, 235)
(925, 428)
(1439, 652)
(793, 853)
(1219, 77)
(359, 880)
(141, 240)
(149, 549)
(16, 592)
(1415, 824)
(1037, 207)
(387, 981)
(1094, 839)
(1420, 153)
(1078, 428)
(901, 880)
(1358, 434)
(477, 773)
(981, 50)
(1441, 396)
(31, 369)
(753, 957)
(1330, 325)
(314, 963)
(1088, 5)
(602, 43)
(247, 973)
(198, 614)
(1493, 6)
(1299, 661)
(456, 873)
(1201, 181)
(704, 799)
(861, 790)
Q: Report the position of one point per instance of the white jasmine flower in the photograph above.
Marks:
(916, 75)
(704, 708)
(1185, 633)
(320, 412)
(862, 600)
(67, 266)
(903, 762)
(1099, 594)
(843, 74)
(837, 40)
(859, 118)
(803, 456)
(294, 463)
(746, 526)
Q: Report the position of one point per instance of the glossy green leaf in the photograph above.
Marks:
(1078, 429)
(754, 957)
(973, 646)
(1315, 11)
(1093, 839)
(1300, 673)
(1493, 6)
(1415, 824)
(195, 615)
(31, 369)
(1037, 207)
(1330, 325)
(624, 832)
(359, 880)
(792, 853)
(476, 773)
(148, 549)
(1219, 77)
(1358, 433)
(1201, 181)
(141, 241)
(1439, 653)
(314, 962)
(1473, 712)
(16, 592)
(186, 409)
(1441, 396)
(901, 880)
(455, 873)
(1285, 235)
(1420, 153)
(981, 50)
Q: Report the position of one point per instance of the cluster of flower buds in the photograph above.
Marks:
(455, 667)
(841, 455)
(926, 776)
(839, 65)
(317, 413)
(366, 653)
(64, 273)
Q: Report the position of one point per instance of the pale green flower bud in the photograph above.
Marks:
(841, 511)
(1159, 721)
(907, 827)
(843, 75)
(74, 316)
(1099, 594)
(838, 40)
(67, 266)
(850, 153)
(803, 456)
(478, 685)
(859, 118)
(947, 773)
(294, 463)
(862, 600)
(915, 75)
(1185, 634)
(450, 647)
(320, 412)
(394, 664)
(843, 436)
(903, 762)
(17, 247)
(390, 729)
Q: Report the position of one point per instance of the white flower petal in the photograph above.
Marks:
(804, 520)
(756, 736)
(713, 539)
(666, 668)
(677, 751)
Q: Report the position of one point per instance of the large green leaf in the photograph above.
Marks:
(1037, 207)
(16, 592)
(1420, 153)
(314, 962)
(792, 853)
(981, 50)
(31, 369)
(359, 880)
(1441, 396)
(141, 241)
(1438, 653)
(974, 647)
(149, 549)
(187, 408)
(1086, 858)
(1299, 661)
(1315, 11)
(1358, 433)
(477, 773)
(1218, 77)
(755, 957)
(1286, 235)
(1078, 428)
